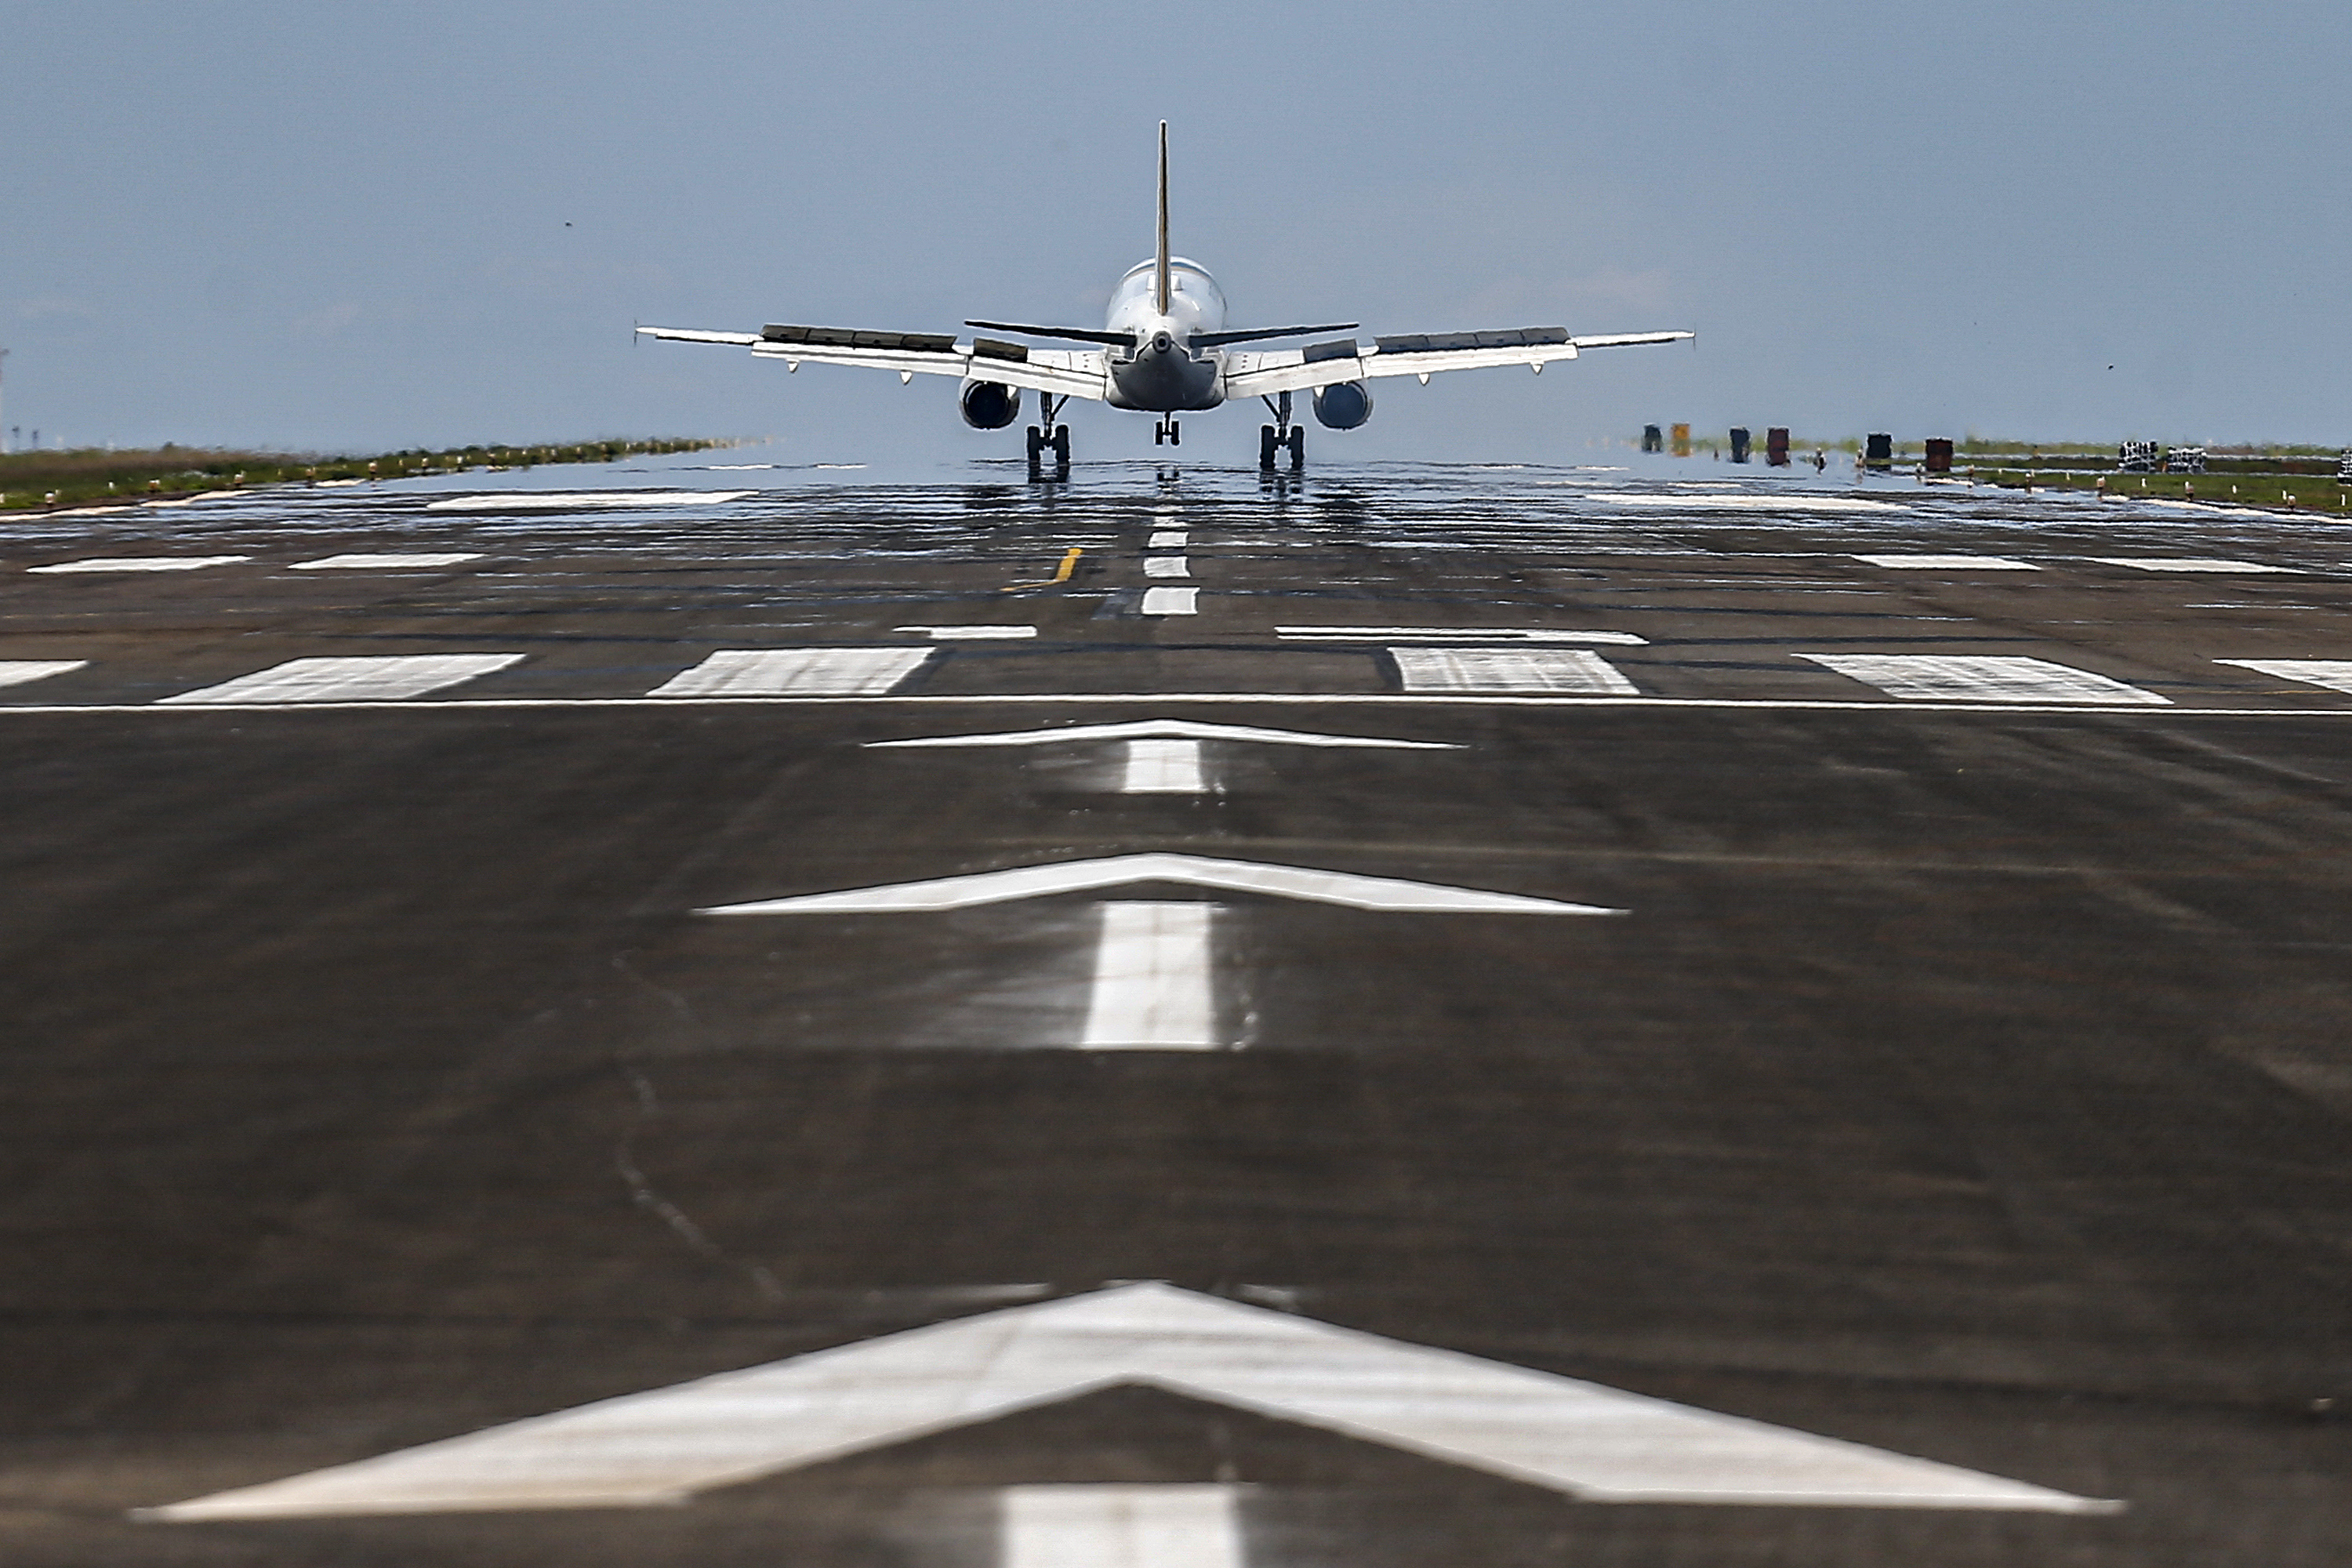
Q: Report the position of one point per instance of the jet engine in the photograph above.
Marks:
(989, 405)
(1343, 407)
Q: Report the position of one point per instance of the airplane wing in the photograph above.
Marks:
(1266, 372)
(1065, 373)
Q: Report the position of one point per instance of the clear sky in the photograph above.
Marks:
(337, 227)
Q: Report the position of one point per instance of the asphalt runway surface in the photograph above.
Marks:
(1370, 971)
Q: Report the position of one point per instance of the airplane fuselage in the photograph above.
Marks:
(1161, 374)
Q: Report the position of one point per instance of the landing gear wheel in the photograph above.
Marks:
(1061, 444)
(1036, 445)
(1297, 445)
(1266, 443)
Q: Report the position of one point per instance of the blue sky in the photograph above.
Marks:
(338, 227)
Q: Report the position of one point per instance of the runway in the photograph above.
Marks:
(1407, 1015)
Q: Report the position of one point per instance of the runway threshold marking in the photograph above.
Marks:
(359, 677)
(1982, 678)
(1950, 562)
(1171, 601)
(141, 563)
(2187, 563)
(23, 671)
(1167, 729)
(796, 672)
(1387, 894)
(387, 562)
(1508, 669)
(2333, 674)
(1454, 634)
(1151, 988)
(1114, 1526)
(1584, 1439)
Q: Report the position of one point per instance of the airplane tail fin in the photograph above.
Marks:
(1161, 279)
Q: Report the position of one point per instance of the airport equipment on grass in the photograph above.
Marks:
(2137, 458)
(1878, 451)
(1651, 440)
(1682, 440)
(2344, 467)
(2185, 460)
(1776, 446)
(1739, 443)
(1163, 349)
(1939, 455)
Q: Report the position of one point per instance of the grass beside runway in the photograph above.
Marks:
(36, 482)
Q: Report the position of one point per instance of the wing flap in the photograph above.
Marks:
(1065, 373)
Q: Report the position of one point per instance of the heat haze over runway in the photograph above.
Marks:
(1404, 1016)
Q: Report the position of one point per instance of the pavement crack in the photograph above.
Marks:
(643, 1193)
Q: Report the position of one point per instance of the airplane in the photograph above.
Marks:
(1163, 349)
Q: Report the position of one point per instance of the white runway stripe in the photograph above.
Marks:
(2335, 674)
(1510, 669)
(1171, 601)
(1166, 567)
(1174, 729)
(144, 563)
(796, 672)
(971, 633)
(1718, 501)
(1168, 538)
(543, 500)
(1936, 678)
(1950, 562)
(2186, 563)
(1159, 765)
(1118, 1527)
(23, 671)
(386, 562)
(372, 678)
(1152, 981)
(1456, 635)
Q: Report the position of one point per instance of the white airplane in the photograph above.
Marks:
(1163, 348)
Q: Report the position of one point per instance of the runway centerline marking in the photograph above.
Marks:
(386, 562)
(1454, 634)
(143, 564)
(1166, 567)
(1950, 562)
(23, 671)
(1169, 539)
(975, 633)
(1385, 894)
(1114, 1526)
(796, 672)
(2187, 563)
(1171, 601)
(1151, 989)
(1583, 1439)
(1163, 765)
(1508, 669)
(2334, 674)
(1981, 678)
(363, 678)
(1173, 729)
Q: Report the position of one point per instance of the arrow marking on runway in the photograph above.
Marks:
(1169, 730)
(1583, 1439)
(1383, 893)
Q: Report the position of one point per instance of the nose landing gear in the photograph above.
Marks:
(1272, 439)
(1166, 431)
(1052, 438)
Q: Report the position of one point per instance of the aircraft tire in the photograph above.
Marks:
(1298, 445)
(1266, 444)
(1061, 445)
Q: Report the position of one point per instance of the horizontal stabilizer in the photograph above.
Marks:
(1252, 335)
(1071, 334)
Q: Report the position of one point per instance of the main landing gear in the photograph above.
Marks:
(1272, 439)
(1053, 438)
(1166, 431)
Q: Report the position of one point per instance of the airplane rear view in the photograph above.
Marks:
(1163, 349)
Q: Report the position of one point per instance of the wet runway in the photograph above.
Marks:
(1415, 1016)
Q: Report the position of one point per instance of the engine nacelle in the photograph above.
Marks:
(989, 405)
(1343, 407)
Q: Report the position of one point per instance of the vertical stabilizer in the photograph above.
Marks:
(1162, 279)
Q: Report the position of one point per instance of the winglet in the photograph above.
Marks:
(1162, 281)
